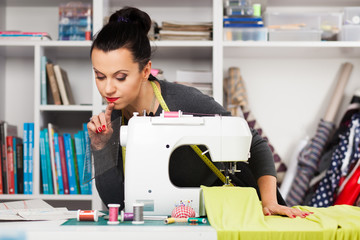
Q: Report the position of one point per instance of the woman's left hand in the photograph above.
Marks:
(277, 209)
(267, 185)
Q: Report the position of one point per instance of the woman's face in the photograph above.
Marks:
(117, 76)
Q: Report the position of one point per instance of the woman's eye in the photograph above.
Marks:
(100, 77)
(121, 77)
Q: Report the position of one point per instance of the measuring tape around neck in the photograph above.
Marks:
(196, 149)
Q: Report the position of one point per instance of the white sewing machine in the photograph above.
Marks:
(149, 143)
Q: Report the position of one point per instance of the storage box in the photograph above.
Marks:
(294, 35)
(292, 21)
(75, 21)
(352, 15)
(293, 26)
(245, 34)
(350, 33)
(331, 24)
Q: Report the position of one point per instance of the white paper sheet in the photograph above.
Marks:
(32, 210)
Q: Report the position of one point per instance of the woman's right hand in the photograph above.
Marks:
(100, 129)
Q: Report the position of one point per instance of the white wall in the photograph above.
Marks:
(288, 96)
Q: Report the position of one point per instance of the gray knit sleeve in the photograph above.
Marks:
(261, 160)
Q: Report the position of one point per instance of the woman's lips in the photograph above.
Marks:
(111, 99)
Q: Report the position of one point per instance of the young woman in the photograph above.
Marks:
(121, 58)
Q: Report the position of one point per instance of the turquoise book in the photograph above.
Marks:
(48, 162)
(26, 157)
(31, 157)
(43, 165)
(58, 164)
(87, 157)
(70, 164)
(79, 147)
(43, 84)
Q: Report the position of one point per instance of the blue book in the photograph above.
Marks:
(87, 157)
(242, 19)
(70, 164)
(31, 157)
(26, 157)
(79, 147)
(43, 80)
(43, 165)
(243, 25)
(48, 162)
(58, 164)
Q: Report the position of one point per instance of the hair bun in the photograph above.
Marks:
(133, 16)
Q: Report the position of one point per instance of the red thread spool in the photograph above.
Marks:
(113, 213)
(87, 215)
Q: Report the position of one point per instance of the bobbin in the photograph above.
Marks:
(126, 216)
(113, 213)
(87, 215)
(138, 210)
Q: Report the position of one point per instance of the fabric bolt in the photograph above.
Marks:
(350, 189)
(308, 163)
(329, 149)
(326, 191)
(235, 213)
(237, 103)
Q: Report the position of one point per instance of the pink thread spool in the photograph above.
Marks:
(113, 213)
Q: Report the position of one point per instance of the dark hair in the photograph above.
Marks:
(127, 28)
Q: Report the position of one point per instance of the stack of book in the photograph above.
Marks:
(16, 175)
(56, 78)
(202, 80)
(186, 31)
(63, 161)
(18, 35)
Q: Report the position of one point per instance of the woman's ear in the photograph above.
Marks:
(147, 70)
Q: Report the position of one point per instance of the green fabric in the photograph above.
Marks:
(236, 213)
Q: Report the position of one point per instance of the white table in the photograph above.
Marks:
(36, 230)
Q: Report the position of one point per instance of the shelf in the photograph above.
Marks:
(182, 43)
(291, 49)
(66, 43)
(69, 108)
(16, 49)
(45, 197)
(312, 3)
(36, 3)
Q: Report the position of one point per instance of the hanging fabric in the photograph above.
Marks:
(310, 156)
(325, 193)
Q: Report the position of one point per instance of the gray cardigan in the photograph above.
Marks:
(185, 168)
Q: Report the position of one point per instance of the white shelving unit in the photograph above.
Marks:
(288, 83)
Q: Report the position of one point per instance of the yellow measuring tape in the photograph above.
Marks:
(197, 150)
